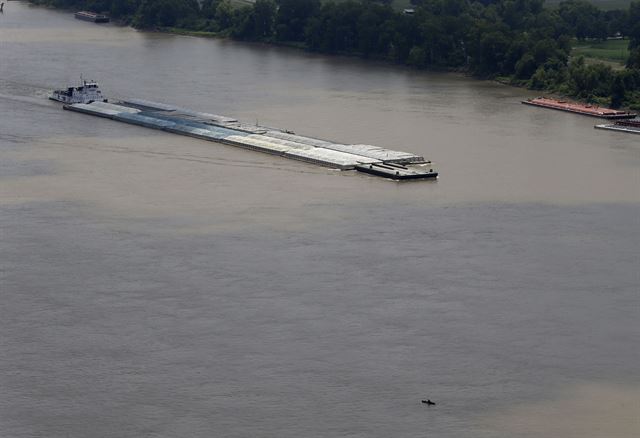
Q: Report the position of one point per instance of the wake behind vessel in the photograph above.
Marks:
(88, 92)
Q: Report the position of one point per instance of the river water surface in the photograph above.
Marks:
(155, 285)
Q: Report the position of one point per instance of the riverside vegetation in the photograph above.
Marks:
(520, 42)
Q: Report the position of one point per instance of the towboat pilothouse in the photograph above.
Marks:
(86, 93)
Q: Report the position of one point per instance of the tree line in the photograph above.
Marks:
(520, 41)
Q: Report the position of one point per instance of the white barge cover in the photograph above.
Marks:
(150, 105)
(382, 154)
(258, 144)
(364, 150)
(328, 157)
(149, 122)
(206, 116)
(172, 108)
(89, 108)
(114, 107)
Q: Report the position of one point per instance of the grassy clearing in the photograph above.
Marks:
(610, 51)
(606, 5)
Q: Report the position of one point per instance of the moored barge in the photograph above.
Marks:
(579, 108)
(91, 16)
(629, 126)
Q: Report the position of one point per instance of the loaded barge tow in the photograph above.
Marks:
(387, 163)
(629, 126)
(578, 108)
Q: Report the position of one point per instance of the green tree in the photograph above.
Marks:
(293, 17)
(242, 23)
(527, 66)
(264, 18)
(224, 15)
(417, 57)
(493, 47)
(208, 8)
(618, 92)
(152, 13)
(123, 8)
(634, 25)
(634, 58)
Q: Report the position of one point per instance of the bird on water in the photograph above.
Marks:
(428, 402)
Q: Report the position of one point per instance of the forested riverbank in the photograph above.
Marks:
(521, 42)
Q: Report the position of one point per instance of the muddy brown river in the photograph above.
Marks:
(155, 285)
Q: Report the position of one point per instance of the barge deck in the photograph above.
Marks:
(369, 159)
(578, 108)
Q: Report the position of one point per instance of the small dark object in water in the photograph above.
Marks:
(428, 402)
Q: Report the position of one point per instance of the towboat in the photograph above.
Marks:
(86, 93)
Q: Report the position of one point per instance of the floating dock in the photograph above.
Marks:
(578, 108)
(370, 159)
(628, 126)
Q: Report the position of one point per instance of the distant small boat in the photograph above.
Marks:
(91, 16)
(86, 93)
